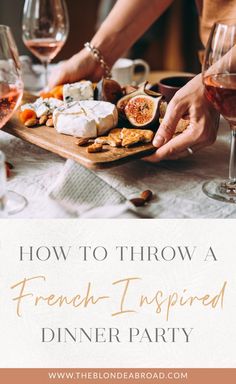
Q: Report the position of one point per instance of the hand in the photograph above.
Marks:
(81, 66)
(204, 121)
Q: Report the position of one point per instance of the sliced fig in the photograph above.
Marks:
(138, 92)
(109, 90)
(142, 110)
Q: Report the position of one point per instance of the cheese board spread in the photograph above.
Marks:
(98, 125)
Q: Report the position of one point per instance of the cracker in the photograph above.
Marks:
(113, 139)
(102, 140)
(94, 148)
(181, 126)
(134, 136)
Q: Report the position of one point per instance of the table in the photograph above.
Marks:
(177, 184)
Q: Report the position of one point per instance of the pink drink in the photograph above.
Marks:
(10, 97)
(44, 49)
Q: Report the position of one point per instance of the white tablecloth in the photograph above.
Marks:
(177, 184)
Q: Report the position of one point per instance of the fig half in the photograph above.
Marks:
(137, 92)
(142, 110)
(108, 90)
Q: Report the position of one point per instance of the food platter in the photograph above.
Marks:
(65, 146)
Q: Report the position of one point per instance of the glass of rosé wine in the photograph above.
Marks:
(45, 28)
(219, 78)
(11, 90)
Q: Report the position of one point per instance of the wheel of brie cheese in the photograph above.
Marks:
(87, 118)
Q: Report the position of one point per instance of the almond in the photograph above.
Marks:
(147, 195)
(43, 119)
(138, 201)
(31, 122)
(49, 123)
(82, 141)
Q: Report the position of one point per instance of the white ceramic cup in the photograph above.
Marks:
(123, 71)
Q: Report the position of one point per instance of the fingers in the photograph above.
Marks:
(201, 132)
(196, 136)
(58, 76)
(80, 66)
(179, 156)
(174, 112)
(172, 148)
(182, 154)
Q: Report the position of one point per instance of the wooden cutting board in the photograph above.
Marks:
(65, 146)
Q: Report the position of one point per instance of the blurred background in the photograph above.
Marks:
(172, 43)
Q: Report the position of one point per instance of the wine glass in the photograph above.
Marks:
(11, 90)
(45, 29)
(219, 78)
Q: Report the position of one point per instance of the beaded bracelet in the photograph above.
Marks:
(99, 58)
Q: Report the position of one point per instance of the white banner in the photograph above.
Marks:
(117, 293)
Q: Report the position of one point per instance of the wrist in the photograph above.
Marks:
(99, 58)
(85, 64)
(107, 45)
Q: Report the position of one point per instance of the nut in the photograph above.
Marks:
(138, 201)
(43, 119)
(94, 148)
(31, 122)
(82, 141)
(147, 195)
(49, 123)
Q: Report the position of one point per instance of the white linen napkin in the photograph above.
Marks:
(84, 193)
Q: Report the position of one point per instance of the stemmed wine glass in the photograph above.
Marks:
(11, 91)
(45, 28)
(219, 78)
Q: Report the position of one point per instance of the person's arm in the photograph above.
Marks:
(127, 21)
